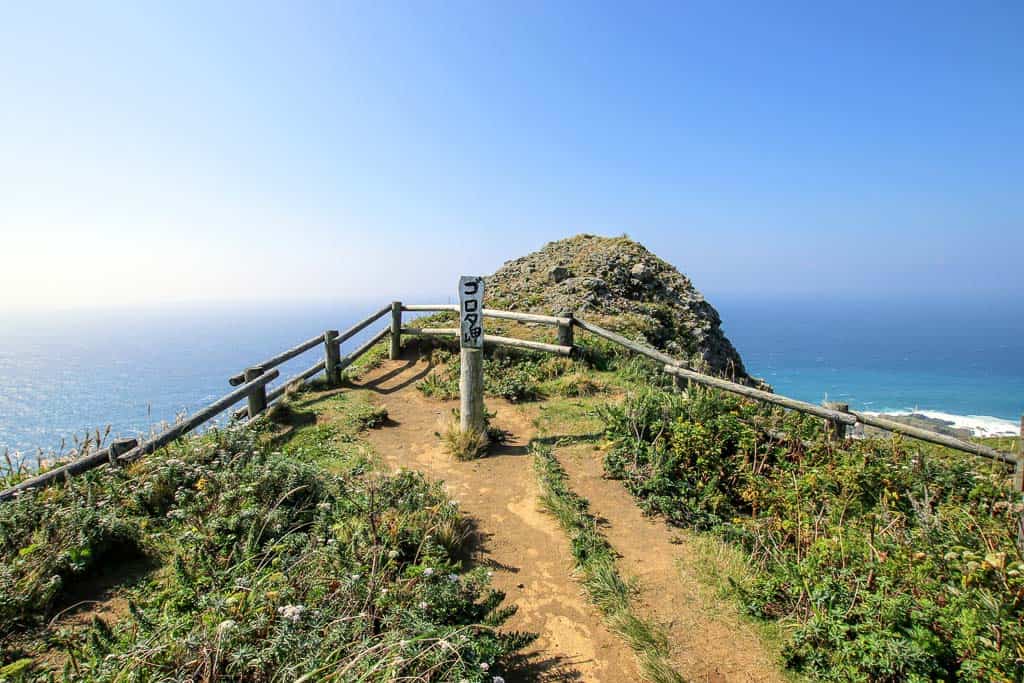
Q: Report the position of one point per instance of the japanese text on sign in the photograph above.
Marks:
(471, 311)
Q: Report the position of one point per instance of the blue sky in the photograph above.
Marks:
(181, 152)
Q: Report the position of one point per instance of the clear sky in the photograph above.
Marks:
(180, 152)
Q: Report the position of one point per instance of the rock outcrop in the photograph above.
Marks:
(619, 283)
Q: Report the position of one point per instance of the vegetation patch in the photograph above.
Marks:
(464, 445)
(595, 562)
(269, 568)
(513, 375)
(889, 561)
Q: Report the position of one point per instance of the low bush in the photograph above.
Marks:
(271, 569)
(512, 375)
(891, 561)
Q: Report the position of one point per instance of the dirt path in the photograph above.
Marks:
(527, 550)
(711, 642)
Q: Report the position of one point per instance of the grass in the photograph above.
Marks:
(883, 559)
(464, 445)
(595, 564)
(264, 564)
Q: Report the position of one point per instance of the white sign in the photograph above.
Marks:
(471, 312)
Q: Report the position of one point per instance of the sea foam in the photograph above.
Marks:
(979, 425)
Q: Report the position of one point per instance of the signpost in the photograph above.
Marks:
(471, 347)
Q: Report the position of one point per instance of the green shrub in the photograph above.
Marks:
(272, 569)
(512, 375)
(892, 561)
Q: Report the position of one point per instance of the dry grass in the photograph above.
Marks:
(467, 445)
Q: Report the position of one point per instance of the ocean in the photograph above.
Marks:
(961, 363)
(63, 374)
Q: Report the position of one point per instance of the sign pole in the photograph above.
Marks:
(471, 353)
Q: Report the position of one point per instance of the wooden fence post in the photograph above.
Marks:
(258, 395)
(472, 416)
(471, 390)
(396, 330)
(679, 383)
(332, 356)
(565, 332)
(1018, 484)
(119, 447)
(835, 429)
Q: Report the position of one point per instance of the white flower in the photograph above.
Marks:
(355, 577)
(291, 612)
(484, 666)
(392, 554)
(423, 605)
(428, 572)
(497, 679)
(454, 578)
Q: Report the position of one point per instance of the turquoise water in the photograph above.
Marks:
(888, 357)
(63, 374)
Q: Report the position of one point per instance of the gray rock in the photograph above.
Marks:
(619, 284)
(558, 273)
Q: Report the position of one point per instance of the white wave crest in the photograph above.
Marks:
(979, 425)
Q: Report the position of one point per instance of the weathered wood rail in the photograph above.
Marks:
(116, 453)
(252, 384)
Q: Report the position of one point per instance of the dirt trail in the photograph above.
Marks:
(710, 640)
(527, 550)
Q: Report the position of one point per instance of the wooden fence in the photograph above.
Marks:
(252, 388)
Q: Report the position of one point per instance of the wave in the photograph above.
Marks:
(978, 425)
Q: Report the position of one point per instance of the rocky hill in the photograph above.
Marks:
(617, 282)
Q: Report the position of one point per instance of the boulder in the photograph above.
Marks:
(558, 273)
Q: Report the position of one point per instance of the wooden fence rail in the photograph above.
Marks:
(494, 313)
(252, 385)
(317, 368)
(489, 339)
(162, 439)
(849, 417)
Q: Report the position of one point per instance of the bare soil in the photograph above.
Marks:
(711, 642)
(530, 556)
(525, 548)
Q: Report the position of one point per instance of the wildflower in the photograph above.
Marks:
(423, 605)
(454, 578)
(291, 612)
(428, 572)
(484, 666)
(392, 554)
(497, 679)
(355, 577)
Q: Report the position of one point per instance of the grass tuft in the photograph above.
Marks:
(595, 565)
(464, 445)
